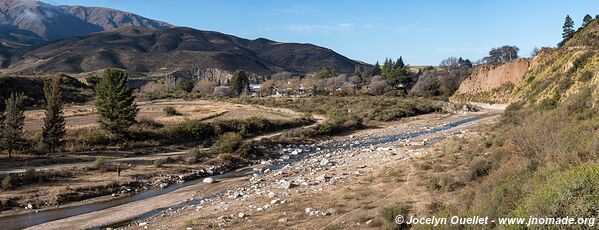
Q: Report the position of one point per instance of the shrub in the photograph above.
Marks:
(98, 163)
(188, 131)
(205, 86)
(228, 142)
(479, 167)
(158, 163)
(226, 157)
(94, 137)
(171, 111)
(432, 183)
(184, 86)
(7, 182)
(389, 214)
(434, 206)
(573, 193)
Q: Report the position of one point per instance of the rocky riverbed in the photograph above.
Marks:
(317, 168)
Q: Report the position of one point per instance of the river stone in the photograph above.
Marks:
(208, 180)
(286, 184)
(324, 161)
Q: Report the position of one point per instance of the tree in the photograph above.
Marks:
(586, 20)
(450, 62)
(568, 28)
(376, 70)
(399, 63)
(54, 123)
(326, 73)
(115, 103)
(502, 54)
(240, 82)
(396, 75)
(358, 76)
(184, 85)
(14, 119)
(464, 63)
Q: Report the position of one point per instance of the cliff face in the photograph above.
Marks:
(491, 83)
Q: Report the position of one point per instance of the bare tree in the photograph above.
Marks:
(450, 62)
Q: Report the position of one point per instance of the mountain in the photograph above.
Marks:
(28, 22)
(147, 51)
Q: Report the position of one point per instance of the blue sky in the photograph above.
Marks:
(423, 32)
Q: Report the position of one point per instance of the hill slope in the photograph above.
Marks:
(560, 72)
(143, 50)
(27, 22)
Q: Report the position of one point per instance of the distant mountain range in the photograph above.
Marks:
(27, 22)
(38, 38)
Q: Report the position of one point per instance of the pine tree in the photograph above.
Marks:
(376, 70)
(54, 123)
(586, 20)
(240, 82)
(115, 103)
(399, 64)
(568, 28)
(14, 119)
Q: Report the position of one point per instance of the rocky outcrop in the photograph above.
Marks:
(492, 83)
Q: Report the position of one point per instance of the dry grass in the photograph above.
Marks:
(84, 116)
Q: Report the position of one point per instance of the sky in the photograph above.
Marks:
(424, 32)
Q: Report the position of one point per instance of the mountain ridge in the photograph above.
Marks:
(25, 22)
(147, 51)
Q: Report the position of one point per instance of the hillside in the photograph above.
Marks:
(492, 83)
(34, 22)
(148, 51)
(560, 72)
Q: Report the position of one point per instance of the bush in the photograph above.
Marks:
(184, 86)
(7, 182)
(94, 137)
(205, 86)
(171, 111)
(432, 183)
(479, 168)
(573, 193)
(227, 143)
(389, 214)
(226, 157)
(434, 206)
(98, 163)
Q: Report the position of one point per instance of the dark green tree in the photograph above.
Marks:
(568, 28)
(115, 103)
(376, 70)
(184, 85)
(14, 119)
(326, 73)
(396, 75)
(586, 20)
(240, 82)
(358, 77)
(54, 123)
(399, 63)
